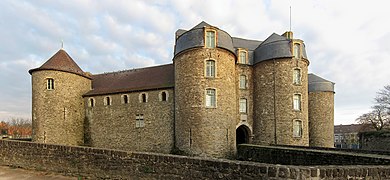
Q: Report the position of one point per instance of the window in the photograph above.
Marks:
(125, 99)
(243, 105)
(210, 68)
(297, 50)
(139, 120)
(297, 76)
(143, 97)
(107, 101)
(210, 39)
(50, 84)
(164, 96)
(210, 98)
(297, 128)
(297, 102)
(242, 82)
(242, 58)
(91, 102)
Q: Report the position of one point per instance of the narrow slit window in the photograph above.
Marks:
(50, 84)
(91, 102)
(107, 101)
(163, 96)
(125, 99)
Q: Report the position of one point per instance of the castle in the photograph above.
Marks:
(220, 91)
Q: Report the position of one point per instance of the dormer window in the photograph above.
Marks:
(297, 50)
(50, 84)
(210, 39)
(242, 57)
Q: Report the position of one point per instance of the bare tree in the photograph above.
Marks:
(20, 127)
(383, 98)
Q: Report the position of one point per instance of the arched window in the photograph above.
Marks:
(91, 102)
(164, 96)
(210, 98)
(143, 97)
(297, 128)
(297, 76)
(50, 84)
(297, 102)
(297, 50)
(210, 68)
(243, 105)
(210, 39)
(125, 99)
(107, 101)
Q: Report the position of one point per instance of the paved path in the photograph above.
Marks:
(8, 173)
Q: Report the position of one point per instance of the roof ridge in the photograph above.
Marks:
(130, 70)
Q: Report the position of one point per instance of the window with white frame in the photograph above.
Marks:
(210, 68)
(210, 98)
(139, 120)
(243, 105)
(91, 102)
(210, 39)
(107, 101)
(243, 82)
(143, 97)
(297, 50)
(163, 96)
(297, 128)
(50, 84)
(297, 76)
(242, 56)
(125, 99)
(297, 102)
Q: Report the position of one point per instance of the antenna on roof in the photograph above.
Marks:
(62, 44)
(290, 17)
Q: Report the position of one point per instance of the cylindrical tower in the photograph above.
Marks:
(281, 92)
(205, 92)
(321, 112)
(58, 110)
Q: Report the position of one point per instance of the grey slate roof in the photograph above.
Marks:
(319, 84)
(275, 46)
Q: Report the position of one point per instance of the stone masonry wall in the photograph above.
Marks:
(245, 119)
(58, 114)
(201, 130)
(114, 164)
(377, 140)
(114, 126)
(321, 119)
(273, 101)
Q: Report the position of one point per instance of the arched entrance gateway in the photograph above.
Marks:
(242, 134)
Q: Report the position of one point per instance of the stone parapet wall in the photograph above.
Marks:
(104, 163)
(376, 140)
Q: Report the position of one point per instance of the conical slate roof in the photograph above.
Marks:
(319, 84)
(61, 61)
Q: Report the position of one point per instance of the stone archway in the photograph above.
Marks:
(242, 134)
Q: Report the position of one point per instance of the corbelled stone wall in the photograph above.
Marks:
(203, 131)
(96, 163)
(321, 119)
(273, 101)
(58, 114)
(114, 126)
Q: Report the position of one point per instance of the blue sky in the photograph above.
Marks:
(347, 42)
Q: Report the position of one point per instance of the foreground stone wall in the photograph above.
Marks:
(104, 163)
(377, 140)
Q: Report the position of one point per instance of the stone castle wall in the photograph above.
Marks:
(58, 114)
(114, 126)
(273, 101)
(200, 130)
(245, 119)
(321, 119)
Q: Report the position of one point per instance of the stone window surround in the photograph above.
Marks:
(241, 50)
(109, 102)
(166, 95)
(50, 83)
(215, 97)
(210, 29)
(300, 130)
(139, 121)
(246, 105)
(141, 99)
(91, 102)
(300, 76)
(299, 45)
(205, 68)
(123, 99)
(245, 81)
(299, 95)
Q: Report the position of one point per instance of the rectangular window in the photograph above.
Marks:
(297, 129)
(243, 105)
(210, 68)
(242, 82)
(210, 39)
(297, 50)
(297, 76)
(210, 98)
(242, 58)
(50, 84)
(297, 102)
(139, 120)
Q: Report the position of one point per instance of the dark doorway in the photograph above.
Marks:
(242, 135)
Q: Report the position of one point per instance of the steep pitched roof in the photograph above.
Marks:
(156, 77)
(274, 37)
(61, 61)
(201, 25)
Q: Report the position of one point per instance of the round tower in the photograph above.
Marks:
(321, 111)
(58, 110)
(205, 92)
(281, 92)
